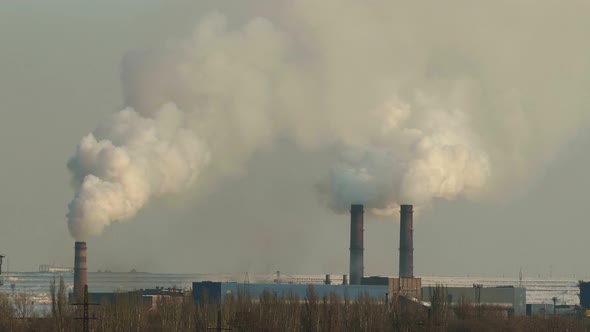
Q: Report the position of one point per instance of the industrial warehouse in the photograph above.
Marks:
(295, 166)
(405, 289)
(404, 295)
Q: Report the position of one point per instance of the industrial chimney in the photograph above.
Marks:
(80, 271)
(356, 244)
(406, 242)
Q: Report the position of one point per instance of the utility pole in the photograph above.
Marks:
(219, 327)
(554, 304)
(1, 280)
(477, 288)
(86, 317)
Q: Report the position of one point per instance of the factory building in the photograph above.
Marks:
(403, 289)
(539, 309)
(378, 288)
(511, 298)
(214, 292)
(387, 289)
(149, 298)
(408, 287)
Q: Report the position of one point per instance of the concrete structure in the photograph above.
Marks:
(406, 242)
(409, 287)
(217, 291)
(80, 270)
(375, 281)
(539, 309)
(113, 298)
(147, 297)
(512, 298)
(356, 244)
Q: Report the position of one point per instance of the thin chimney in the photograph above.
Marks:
(406, 242)
(356, 244)
(80, 271)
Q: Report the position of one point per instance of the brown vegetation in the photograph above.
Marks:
(272, 312)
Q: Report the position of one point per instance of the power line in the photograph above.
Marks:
(86, 317)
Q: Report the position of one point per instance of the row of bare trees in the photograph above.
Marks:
(61, 311)
(270, 312)
(288, 312)
(16, 311)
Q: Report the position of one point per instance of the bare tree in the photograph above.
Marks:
(310, 313)
(24, 305)
(7, 313)
(439, 305)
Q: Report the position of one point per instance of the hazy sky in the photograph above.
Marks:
(60, 76)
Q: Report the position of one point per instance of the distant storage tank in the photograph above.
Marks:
(80, 271)
(406, 242)
(356, 244)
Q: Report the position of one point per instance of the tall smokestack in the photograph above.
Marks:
(80, 271)
(406, 242)
(356, 243)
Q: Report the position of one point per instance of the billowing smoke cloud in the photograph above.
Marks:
(438, 159)
(423, 102)
(123, 163)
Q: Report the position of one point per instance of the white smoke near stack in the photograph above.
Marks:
(419, 108)
(434, 156)
(126, 161)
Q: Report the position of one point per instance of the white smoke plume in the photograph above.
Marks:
(126, 161)
(438, 159)
(424, 101)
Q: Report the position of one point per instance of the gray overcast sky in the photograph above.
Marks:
(60, 75)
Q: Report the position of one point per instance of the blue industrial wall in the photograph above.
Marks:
(207, 290)
(217, 290)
